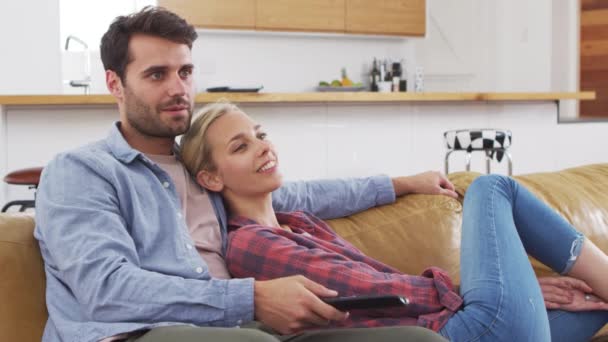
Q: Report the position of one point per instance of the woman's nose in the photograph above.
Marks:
(264, 147)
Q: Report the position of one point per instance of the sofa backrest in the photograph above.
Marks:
(23, 311)
(416, 232)
(419, 231)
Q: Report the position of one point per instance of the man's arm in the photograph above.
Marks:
(86, 245)
(329, 199)
(430, 183)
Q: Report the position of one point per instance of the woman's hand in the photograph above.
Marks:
(430, 183)
(570, 294)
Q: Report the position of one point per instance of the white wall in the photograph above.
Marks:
(565, 52)
(472, 45)
(30, 62)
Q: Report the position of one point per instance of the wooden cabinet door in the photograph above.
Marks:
(300, 15)
(594, 57)
(390, 17)
(237, 14)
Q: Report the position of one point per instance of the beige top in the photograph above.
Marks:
(198, 211)
(200, 218)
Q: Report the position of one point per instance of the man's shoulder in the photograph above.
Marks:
(95, 154)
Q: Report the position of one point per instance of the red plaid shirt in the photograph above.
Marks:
(314, 250)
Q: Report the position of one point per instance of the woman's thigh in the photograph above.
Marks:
(502, 298)
(575, 326)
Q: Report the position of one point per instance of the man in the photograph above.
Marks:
(133, 248)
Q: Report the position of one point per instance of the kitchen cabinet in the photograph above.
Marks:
(386, 17)
(302, 15)
(381, 17)
(235, 14)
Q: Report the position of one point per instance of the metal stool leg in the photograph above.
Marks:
(446, 161)
(488, 160)
(468, 161)
(23, 205)
(510, 160)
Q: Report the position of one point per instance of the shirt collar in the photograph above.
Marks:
(121, 149)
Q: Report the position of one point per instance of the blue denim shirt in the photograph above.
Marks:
(114, 243)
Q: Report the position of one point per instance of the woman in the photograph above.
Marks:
(500, 298)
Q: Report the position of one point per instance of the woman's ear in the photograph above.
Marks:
(210, 180)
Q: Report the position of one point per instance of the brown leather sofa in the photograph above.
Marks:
(415, 232)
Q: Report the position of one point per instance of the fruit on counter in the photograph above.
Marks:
(346, 82)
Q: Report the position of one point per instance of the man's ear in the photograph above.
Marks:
(114, 84)
(210, 180)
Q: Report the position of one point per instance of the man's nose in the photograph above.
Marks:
(177, 86)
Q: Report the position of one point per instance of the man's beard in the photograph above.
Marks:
(146, 120)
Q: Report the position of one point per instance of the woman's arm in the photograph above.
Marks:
(267, 254)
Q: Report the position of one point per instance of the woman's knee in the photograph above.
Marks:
(485, 183)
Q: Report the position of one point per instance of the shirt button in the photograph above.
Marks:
(166, 184)
(189, 246)
(199, 270)
(179, 215)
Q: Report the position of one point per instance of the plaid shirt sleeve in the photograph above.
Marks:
(315, 251)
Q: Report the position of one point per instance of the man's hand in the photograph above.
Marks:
(430, 183)
(570, 294)
(291, 304)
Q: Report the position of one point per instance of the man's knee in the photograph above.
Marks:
(385, 334)
(199, 334)
(254, 335)
(420, 334)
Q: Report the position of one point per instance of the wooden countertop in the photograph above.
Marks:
(328, 97)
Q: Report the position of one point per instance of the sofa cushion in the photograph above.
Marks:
(22, 283)
(412, 234)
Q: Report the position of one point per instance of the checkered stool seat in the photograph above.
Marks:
(494, 142)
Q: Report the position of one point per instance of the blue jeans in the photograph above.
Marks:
(502, 223)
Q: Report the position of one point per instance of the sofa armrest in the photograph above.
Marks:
(23, 311)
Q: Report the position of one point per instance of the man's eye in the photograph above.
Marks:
(156, 75)
(241, 147)
(185, 73)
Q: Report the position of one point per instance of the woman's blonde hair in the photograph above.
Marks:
(195, 150)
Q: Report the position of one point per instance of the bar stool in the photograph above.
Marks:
(493, 142)
(29, 177)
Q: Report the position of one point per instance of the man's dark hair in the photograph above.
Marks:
(153, 21)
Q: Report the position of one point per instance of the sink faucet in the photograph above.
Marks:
(86, 82)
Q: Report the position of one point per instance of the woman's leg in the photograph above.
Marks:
(502, 298)
(542, 232)
(575, 326)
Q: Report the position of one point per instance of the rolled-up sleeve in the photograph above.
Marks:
(329, 199)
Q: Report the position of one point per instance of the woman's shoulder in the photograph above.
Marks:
(243, 224)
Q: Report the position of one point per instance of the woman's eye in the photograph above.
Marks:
(239, 148)
(262, 136)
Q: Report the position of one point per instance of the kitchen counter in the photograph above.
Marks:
(329, 135)
(321, 97)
